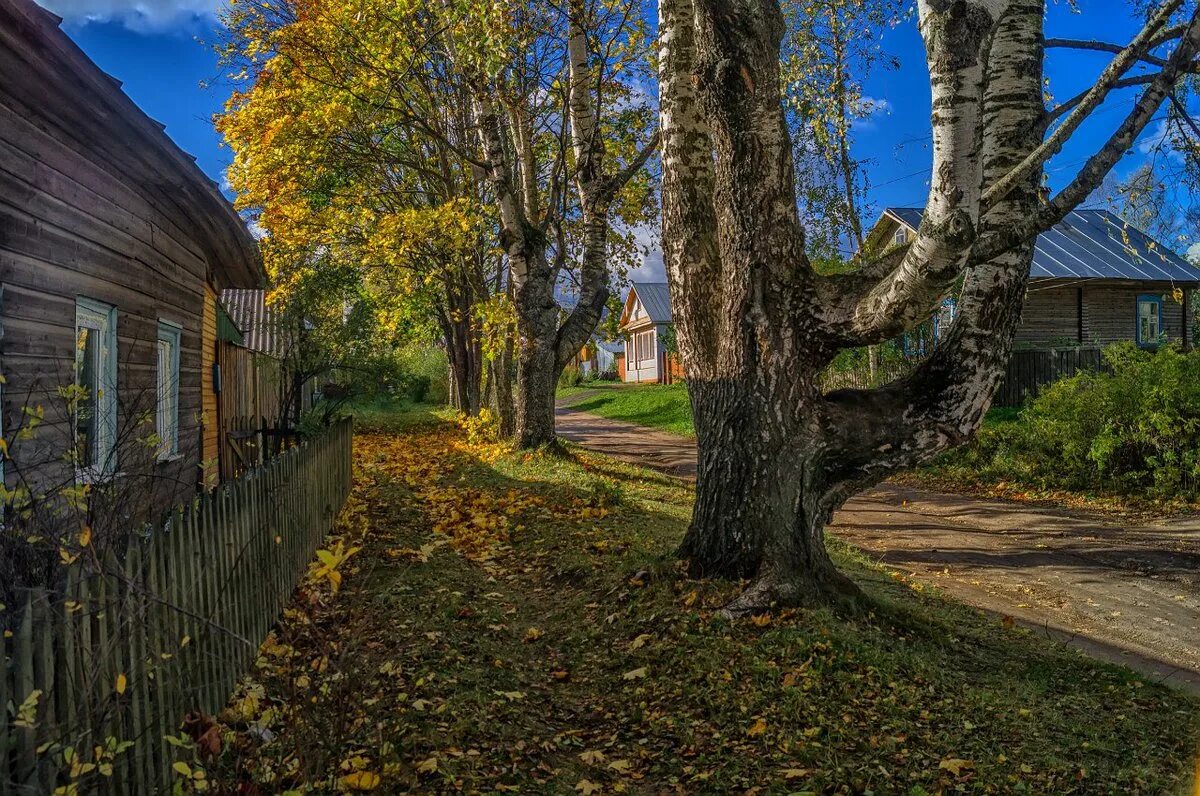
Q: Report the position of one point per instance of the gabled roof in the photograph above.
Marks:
(1092, 244)
(655, 298)
(61, 86)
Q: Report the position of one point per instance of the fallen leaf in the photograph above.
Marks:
(635, 674)
(122, 683)
(363, 780)
(428, 766)
(640, 641)
(587, 787)
(955, 765)
(593, 757)
(758, 727)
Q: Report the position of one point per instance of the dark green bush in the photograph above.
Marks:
(1132, 428)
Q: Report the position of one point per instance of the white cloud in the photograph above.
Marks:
(652, 268)
(868, 109)
(144, 16)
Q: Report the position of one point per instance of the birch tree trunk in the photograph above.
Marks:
(756, 324)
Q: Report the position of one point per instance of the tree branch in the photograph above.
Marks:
(1093, 97)
(1094, 171)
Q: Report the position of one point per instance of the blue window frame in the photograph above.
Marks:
(1148, 331)
(95, 405)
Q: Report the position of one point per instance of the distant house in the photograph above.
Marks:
(1095, 280)
(114, 247)
(645, 320)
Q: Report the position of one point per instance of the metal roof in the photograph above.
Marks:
(612, 348)
(656, 300)
(261, 329)
(1092, 244)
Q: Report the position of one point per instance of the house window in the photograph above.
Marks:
(1149, 320)
(95, 404)
(901, 236)
(943, 319)
(645, 348)
(167, 413)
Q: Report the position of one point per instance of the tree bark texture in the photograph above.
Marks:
(756, 325)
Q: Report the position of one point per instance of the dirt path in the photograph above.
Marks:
(1130, 594)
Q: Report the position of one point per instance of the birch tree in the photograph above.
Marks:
(756, 323)
(557, 192)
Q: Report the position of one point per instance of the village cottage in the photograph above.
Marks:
(114, 247)
(1095, 280)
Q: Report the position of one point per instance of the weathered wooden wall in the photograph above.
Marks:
(1110, 311)
(96, 202)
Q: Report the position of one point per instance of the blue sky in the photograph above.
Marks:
(157, 48)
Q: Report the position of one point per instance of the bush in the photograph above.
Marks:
(571, 376)
(427, 372)
(1133, 427)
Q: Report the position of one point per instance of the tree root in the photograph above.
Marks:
(770, 592)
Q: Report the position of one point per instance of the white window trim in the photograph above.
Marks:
(102, 319)
(900, 237)
(168, 433)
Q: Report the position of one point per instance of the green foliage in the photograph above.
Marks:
(571, 376)
(1133, 428)
(670, 339)
(428, 373)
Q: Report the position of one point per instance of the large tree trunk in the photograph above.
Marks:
(757, 325)
(761, 506)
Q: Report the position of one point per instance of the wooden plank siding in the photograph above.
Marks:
(96, 202)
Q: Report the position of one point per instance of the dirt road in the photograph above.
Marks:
(1130, 594)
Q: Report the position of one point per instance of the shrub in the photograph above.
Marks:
(571, 376)
(1133, 427)
(427, 372)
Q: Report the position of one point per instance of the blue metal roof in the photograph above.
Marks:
(656, 300)
(1092, 244)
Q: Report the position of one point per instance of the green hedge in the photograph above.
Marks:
(1132, 428)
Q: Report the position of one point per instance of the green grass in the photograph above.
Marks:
(576, 655)
(653, 405)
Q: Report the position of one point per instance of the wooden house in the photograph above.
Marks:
(1094, 280)
(645, 321)
(114, 247)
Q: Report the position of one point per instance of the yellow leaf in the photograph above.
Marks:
(640, 641)
(428, 766)
(85, 536)
(620, 766)
(121, 683)
(955, 765)
(182, 768)
(758, 727)
(593, 757)
(635, 674)
(361, 781)
(587, 787)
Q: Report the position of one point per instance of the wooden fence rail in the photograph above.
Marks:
(129, 647)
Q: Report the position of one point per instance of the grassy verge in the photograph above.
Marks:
(961, 471)
(516, 623)
(653, 405)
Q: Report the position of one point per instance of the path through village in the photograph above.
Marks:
(1125, 593)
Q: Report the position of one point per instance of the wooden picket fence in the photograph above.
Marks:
(126, 650)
